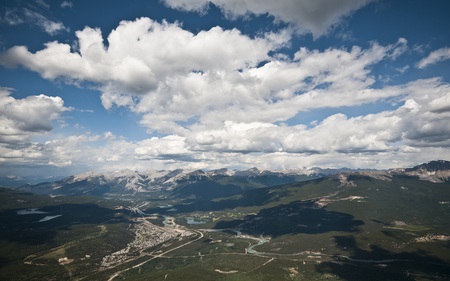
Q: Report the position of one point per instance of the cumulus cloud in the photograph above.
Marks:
(172, 76)
(276, 91)
(62, 152)
(22, 118)
(416, 131)
(141, 54)
(100, 152)
(171, 146)
(150, 61)
(422, 120)
(222, 98)
(435, 57)
(316, 17)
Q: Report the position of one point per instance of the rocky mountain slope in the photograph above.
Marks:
(434, 171)
(210, 184)
(129, 182)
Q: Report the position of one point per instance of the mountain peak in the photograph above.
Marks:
(436, 165)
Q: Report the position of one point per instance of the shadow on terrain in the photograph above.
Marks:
(248, 198)
(222, 186)
(206, 190)
(380, 264)
(78, 188)
(293, 218)
(27, 229)
(3, 262)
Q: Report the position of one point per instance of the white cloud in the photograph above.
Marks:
(349, 135)
(220, 96)
(169, 146)
(32, 16)
(49, 26)
(42, 4)
(416, 131)
(80, 149)
(141, 54)
(170, 75)
(22, 118)
(11, 17)
(66, 4)
(317, 17)
(423, 120)
(146, 62)
(98, 152)
(273, 92)
(435, 57)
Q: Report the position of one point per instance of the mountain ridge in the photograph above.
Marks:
(131, 182)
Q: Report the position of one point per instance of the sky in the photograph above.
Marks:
(196, 84)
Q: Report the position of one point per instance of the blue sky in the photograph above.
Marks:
(108, 85)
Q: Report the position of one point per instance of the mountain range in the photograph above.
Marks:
(214, 183)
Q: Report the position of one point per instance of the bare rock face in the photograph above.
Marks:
(196, 181)
(434, 171)
(343, 179)
(432, 166)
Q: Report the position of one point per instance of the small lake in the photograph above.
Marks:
(32, 211)
(193, 221)
(47, 218)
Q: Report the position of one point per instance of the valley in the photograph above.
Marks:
(348, 226)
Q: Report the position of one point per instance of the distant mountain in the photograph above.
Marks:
(432, 166)
(214, 183)
(434, 171)
(16, 181)
(206, 184)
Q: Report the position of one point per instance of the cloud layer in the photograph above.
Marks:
(171, 76)
(222, 98)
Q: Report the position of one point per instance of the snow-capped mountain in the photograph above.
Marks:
(207, 183)
(128, 181)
